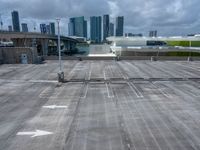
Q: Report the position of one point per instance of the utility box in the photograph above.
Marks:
(24, 59)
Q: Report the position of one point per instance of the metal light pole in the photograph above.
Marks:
(60, 73)
(190, 53)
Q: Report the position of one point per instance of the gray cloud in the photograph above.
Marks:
(169, 17)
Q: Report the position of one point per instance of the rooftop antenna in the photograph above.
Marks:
(1, 22)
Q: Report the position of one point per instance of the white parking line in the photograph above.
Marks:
(135, 90)
(190, 67)
(85, 94)
(46, 93)
(109, 96)
(104, 74)
(161, 91)
(89, 77)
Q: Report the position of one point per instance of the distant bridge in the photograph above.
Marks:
(46, 43)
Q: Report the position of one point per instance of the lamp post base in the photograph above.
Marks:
(190, 59)
(61, 77)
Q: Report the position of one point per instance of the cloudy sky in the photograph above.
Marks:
(169, 17)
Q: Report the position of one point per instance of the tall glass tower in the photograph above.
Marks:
(106, 23)
(52, 28)
(15, 21)
(111, 29)
(95, 29)
(77, 27)
(120, 26)
(24, 27)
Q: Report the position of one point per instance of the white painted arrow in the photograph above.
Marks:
(54, 106)
(36, 133)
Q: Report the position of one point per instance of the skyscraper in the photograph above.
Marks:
(85, 29)
(10, 28)
(71, 27)
(48, 29)
(153, 33)
(43, 28)
(24, 27)
(120, 26)
(52, 28)
(77, 27)
(106, 22)
(95, 29)
(111, 29)
(15, 21)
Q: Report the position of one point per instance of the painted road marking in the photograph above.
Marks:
(46, 93)
(90, 74)
(85, 91)
(104, 74)
(107, 88)
(55, 106)
(161, 91)
(35, 133)
(135, 90)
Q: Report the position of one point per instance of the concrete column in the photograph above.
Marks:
(21, 42)
(27, 43)
(14, 41)
(44, 43)
(68, 45)
(65, 45)
(18, 43)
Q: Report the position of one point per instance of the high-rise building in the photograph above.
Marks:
(77, 27)
(43, 28)
(10, 28)
(15, 21)
(48, 29)
(71, 27)
(24, 27)
(106, 23)
(95, 29)
(85, 29)
(120, 26)
(52, 28)
(111, 29)
(153, 33)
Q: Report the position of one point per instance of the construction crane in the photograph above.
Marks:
(1, 22)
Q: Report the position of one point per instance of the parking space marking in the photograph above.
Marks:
(110, 94)
(85, 91)
(135, 90)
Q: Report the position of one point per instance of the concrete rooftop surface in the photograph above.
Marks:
(104, 105)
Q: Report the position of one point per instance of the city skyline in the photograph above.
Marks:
(77, 26)
(175, 17)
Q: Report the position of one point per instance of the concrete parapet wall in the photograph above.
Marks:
(161, 58)
(151, 51)
(12, 55)
(78, 58)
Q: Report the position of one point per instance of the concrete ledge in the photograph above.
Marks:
(78, 58)
(160, 58)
